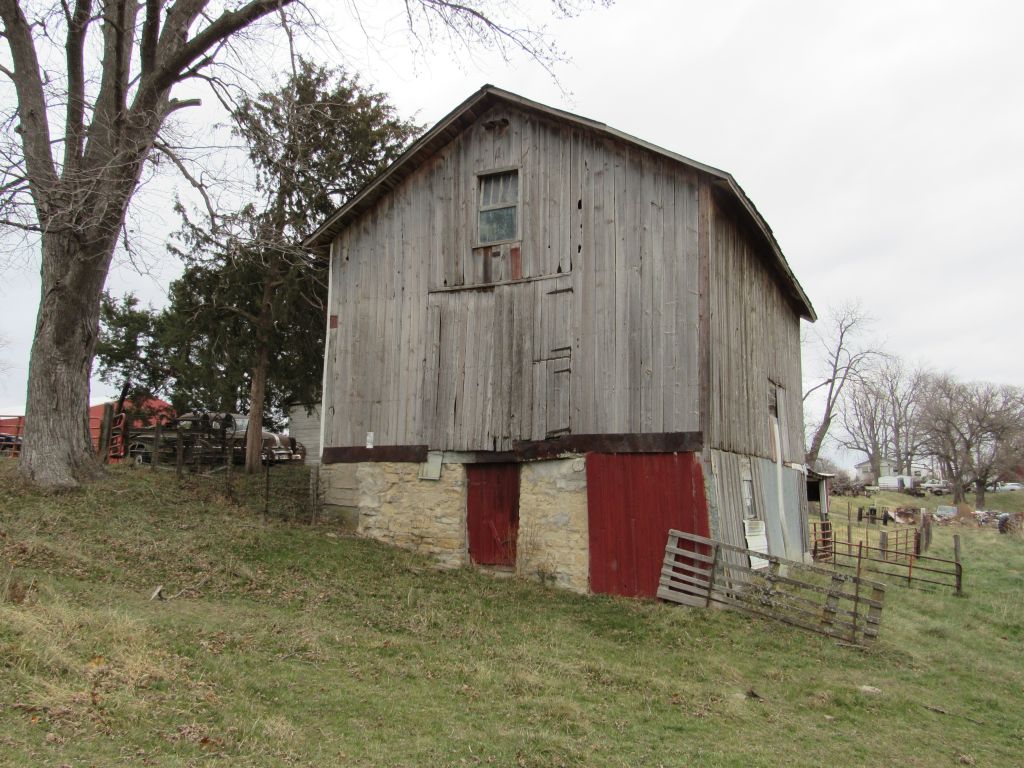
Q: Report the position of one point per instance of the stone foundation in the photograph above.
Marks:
(553, 540)
(388, 502)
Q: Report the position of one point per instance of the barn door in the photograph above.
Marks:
(492, 513)
(633, 500)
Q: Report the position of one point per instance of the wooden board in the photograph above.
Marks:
(838, 605)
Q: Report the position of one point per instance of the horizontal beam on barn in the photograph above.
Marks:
(651, 442)
(415, 454)
(530, 450)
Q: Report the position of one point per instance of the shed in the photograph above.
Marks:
(549, 342)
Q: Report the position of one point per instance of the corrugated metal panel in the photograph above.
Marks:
(727, 479)
(793, 516)
(767, 487)
(633, 500)
(492, 512)
(794, 489)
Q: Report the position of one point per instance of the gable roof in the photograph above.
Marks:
(488, 96)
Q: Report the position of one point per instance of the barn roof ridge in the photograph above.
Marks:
(481, 100)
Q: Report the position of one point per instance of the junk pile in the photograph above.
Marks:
(961, 515)
(1005, 522)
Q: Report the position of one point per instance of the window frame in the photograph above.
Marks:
(481, 208)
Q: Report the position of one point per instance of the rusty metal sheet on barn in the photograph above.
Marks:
(633, 501)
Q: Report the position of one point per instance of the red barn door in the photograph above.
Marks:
(633, 500)
(492, 513)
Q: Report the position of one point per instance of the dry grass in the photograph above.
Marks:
(293, 645)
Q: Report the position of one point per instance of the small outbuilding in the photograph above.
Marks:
(549, 342)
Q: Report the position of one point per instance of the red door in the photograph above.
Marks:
(633, 500)
(492, 513)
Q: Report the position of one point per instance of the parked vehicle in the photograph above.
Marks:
(10, 444)
(937, 487)
(1010, 487)
(208, 438)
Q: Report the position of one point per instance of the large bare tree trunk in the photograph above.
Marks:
(979, 494)
(79, 205)
(57, 451)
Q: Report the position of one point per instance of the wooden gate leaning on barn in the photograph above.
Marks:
(697, 572)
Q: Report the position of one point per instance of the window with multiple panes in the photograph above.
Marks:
(499, 207)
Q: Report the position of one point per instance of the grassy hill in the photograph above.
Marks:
(290, 645)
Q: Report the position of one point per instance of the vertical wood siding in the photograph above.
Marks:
(598, 336)
(755, 337)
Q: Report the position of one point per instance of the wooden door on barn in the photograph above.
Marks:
(492, 512)
(633, 500)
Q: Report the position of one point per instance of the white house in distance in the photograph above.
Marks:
(918, 471)
(549, 342)
(866, 476)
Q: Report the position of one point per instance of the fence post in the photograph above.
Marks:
(711, 576)
(227, 468)
(883, 544)
(316, 495)
(266, 493)
(106, 422)
(180, 453)
(874, 617)
(832, 603)
(959, 568)
(856, 593)
(154, 453)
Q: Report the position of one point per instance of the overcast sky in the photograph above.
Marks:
(882, 141)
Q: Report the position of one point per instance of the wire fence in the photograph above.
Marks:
(208, 455)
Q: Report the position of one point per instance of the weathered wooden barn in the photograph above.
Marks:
(549, 342)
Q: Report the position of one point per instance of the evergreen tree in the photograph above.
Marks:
(245, 325)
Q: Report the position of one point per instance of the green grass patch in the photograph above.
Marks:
(295, 645)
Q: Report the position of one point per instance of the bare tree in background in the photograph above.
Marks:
(879, 413)
(971, 429)
(93, 83)
(845, 353)
(864, 417)
(903, 390)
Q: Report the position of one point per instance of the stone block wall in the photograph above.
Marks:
(553, 523)
(388, 502)
(391, 504)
